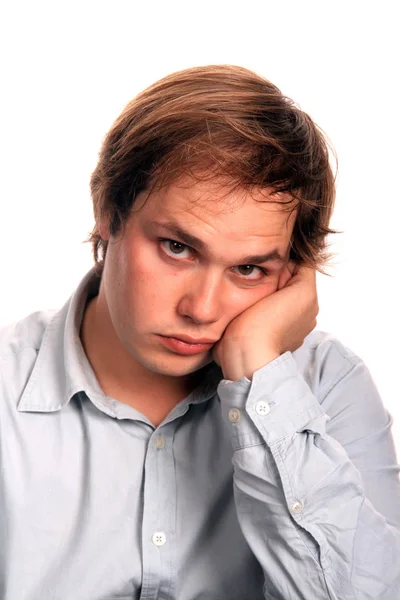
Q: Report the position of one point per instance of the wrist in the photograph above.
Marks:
(247, 367)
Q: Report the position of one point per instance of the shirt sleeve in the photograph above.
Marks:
(317, 495)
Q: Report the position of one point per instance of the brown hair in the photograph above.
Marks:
(221, 121)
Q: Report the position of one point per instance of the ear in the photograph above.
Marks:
(104, 228)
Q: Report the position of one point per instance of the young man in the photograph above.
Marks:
(178, 430)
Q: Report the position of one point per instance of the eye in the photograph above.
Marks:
(174, 249)
(251, 272)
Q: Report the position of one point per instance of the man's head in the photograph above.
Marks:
(207, 185)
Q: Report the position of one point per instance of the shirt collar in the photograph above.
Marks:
(62, 368)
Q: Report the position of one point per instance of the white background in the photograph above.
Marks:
(67, 70)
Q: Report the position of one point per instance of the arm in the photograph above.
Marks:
(317, 496)
(317, 499)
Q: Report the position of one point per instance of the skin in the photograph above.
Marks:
(151, 287)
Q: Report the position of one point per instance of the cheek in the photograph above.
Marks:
(151, 287)
(139, 263)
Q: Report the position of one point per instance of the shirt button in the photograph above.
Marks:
(234, 415)
(159, 442)
(262, 408)
(297, 507)
(159, 538)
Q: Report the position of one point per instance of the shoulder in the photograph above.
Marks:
(25, 333)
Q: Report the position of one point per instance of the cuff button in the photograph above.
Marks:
(262, 408)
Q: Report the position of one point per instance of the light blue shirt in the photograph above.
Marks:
(283, 488)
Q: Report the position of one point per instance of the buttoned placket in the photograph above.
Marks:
(159, 509)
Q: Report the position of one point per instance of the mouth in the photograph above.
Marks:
(186, 345)
(191, 340)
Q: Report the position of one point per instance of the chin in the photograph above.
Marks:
(177, 367)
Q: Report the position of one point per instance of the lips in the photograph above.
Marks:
(190, 340)
(185, 345)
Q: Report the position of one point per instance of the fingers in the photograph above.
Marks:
(307, 273)
(295, 272)
(284, 277)
(303, 272)
(288, 271)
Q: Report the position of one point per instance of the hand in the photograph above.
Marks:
(274, 325)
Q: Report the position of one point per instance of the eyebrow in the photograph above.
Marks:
(191, 240)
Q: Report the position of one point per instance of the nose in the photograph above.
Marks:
(202, 298)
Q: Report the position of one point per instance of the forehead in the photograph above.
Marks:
(215, 207)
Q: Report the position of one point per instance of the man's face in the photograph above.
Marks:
(183, 268)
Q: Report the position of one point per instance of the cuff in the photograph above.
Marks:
(277, 403)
